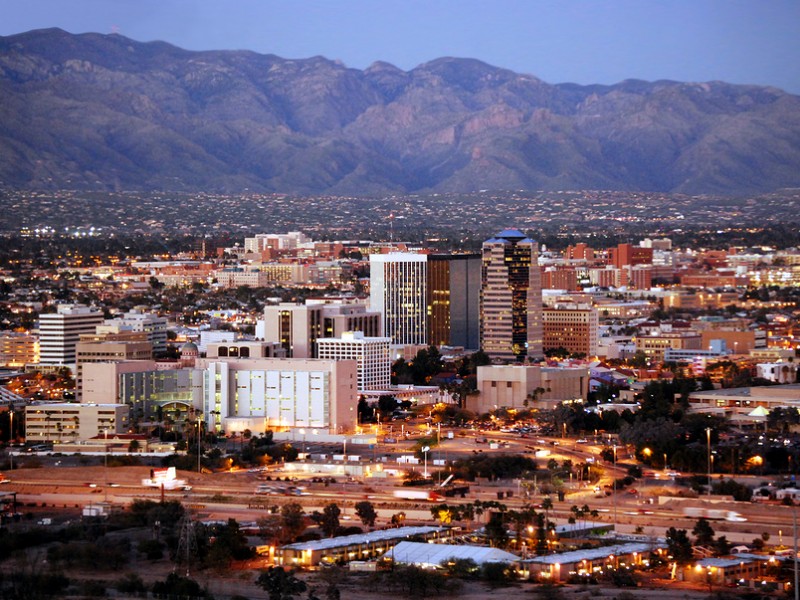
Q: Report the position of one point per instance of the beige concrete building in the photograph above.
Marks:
(510, 386)
(748, 405)
(740, 342)
(109, 348)
(18, 349)
(70, 422)
(655, 345)
(245, 349)
(298, 326)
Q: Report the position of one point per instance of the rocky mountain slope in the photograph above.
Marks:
(105, 112)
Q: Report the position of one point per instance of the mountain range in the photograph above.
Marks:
(94, 111)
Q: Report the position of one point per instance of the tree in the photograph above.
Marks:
(329, 520)
(366, 512)
(722, 546)
(175, 585)
(496, 530)
(280, 584)
(387, 404)
(703, 532)
(292, 521)
(679, 545)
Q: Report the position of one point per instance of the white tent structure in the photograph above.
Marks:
(433, 555)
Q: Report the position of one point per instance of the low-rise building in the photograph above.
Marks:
(64, 422)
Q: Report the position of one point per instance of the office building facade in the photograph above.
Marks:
(399, 291)
(370, 353)
(454, 283)
(60, 332)
(511, 297)
(573, 327)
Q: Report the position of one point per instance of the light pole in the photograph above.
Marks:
(425, 450)
(105, 462)
(199, 422)
(11, 436)
(708, 452)
(614, 489)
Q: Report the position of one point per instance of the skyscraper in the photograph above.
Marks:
(454, 300)
(398, 290)
(511, 297)
(59, 332)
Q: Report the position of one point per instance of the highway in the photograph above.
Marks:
(232, 494)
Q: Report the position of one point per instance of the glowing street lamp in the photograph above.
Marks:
(425, 450)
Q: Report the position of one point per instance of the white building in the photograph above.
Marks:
(371, 354)
(398, 290)
(153, 325)
(214, 336)
(780, 372)
(59, 332)
(269, 393)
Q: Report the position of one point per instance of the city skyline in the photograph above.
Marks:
(743, 42)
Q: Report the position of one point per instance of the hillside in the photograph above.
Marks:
(103, 112)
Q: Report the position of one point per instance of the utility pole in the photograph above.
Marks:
(708, 453)
(614, 488)
(794, 523)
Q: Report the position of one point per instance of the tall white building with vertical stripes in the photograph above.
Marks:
(59, 332)
(371, 353)
(398, 289)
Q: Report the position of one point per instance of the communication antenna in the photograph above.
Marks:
(391, 231)
(187, 542)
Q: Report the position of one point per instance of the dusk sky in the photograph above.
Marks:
(581, 41)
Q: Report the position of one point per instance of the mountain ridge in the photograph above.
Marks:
(105, 112)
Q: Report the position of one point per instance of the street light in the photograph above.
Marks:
(11, 436)
(425, 450)
(614, 488)
(708, 451)
(199, 422)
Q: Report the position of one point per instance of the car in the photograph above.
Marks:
(582, 441)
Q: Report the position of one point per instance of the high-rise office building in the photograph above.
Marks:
(371, 354)
(511, 297)
(59, 332)
(454, 300)
(298, 326)
(399, 291)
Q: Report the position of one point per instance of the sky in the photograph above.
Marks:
(579, 41)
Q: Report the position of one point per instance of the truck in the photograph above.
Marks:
(717, 514)
(167, 478)
(410, 494)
